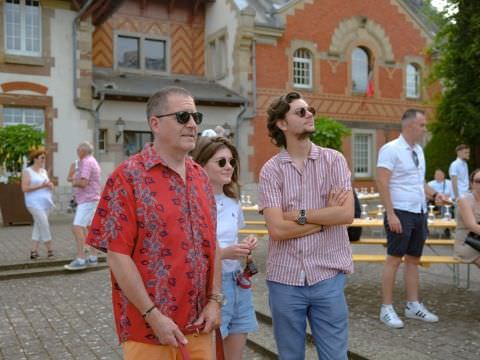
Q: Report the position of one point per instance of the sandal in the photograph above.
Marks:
(50, 255)
(33, 255)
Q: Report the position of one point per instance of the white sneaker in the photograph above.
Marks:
(420, 312)
(390, 318)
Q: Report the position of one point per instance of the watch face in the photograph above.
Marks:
(302, 220)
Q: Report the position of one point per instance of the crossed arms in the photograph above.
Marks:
(339, 211)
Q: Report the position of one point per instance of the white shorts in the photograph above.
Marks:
(84, 213)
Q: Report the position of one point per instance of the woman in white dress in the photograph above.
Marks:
(37, 188)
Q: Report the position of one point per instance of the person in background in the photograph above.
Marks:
(441, 185)
(86, 183)
(402, 187)
(458, 171)
(468, 220)
(72, 171)
(220, 160)
(355, 232)
(38, 199)
(156, 221)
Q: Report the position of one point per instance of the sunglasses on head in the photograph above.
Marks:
(183, 117)
(303, 111)
(222, 162)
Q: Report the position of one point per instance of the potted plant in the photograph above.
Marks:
(16, 142)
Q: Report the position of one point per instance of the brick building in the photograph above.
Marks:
(361, 62)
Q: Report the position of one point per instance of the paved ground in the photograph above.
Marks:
(69, 316)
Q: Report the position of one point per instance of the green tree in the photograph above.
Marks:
(16, 142)
(456, 65)
(329, 133)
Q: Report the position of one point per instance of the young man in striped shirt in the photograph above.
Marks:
(306, 197)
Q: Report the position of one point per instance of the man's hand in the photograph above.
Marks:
(166, 331)
(336, 197)
(394, 223)
(210, 316)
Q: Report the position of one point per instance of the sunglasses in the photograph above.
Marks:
(222, 162)
(303, 111)
(415, 158)
(183, 117)
(41, 157)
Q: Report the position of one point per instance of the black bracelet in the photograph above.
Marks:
(148, 311)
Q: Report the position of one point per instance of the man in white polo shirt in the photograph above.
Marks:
(458, 171)
(401, 183)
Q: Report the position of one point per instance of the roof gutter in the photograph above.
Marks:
(76, 101)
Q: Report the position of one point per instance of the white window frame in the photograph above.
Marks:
(23, 51)
(371, 151)
(23, 112)
(412, 86)
(355, 68)
(298, 64)
(102, 140)
(141, 38)
(217, 57)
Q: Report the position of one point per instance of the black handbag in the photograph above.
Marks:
(473, 240)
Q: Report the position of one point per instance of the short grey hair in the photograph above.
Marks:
(411, 114)
(158, 101)
(85, 145)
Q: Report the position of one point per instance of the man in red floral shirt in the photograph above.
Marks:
(156, 221)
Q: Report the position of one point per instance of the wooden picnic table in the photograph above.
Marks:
(437, 223)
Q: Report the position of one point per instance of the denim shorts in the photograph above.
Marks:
(238, 313)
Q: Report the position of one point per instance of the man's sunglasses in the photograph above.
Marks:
(303, 111)
(222, 162)
(183, 117)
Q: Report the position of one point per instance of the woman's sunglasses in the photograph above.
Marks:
(303, 111)
(183, 117)
(222, 162)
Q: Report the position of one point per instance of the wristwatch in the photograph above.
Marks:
(219, 298)
(302, 217)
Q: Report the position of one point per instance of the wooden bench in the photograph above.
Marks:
(425, 261)
(383, 241)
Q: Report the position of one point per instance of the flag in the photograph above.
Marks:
(370, 87)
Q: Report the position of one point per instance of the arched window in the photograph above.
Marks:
(360, 70)
(413, 81)
(302, 68)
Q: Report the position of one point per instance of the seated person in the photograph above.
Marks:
(441, 186)
(468, 218)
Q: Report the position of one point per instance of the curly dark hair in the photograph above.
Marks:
(277, 111)
(206, 148)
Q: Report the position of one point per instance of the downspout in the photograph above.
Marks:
(78, 105)
(240, 116)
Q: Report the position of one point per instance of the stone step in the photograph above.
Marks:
(45, 271)
(40, 263)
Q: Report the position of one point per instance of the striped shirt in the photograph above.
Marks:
(314, 257)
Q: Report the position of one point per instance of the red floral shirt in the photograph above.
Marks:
(168, 227)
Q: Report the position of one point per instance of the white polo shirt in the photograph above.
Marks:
(407, 181)
(459, 168)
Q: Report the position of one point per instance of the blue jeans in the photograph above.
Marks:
(326, 309)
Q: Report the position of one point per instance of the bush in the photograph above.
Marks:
(329, 133)
(16, 142)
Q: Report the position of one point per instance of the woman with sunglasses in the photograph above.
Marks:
(38, 199)
(468, 220)
(219, 158)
